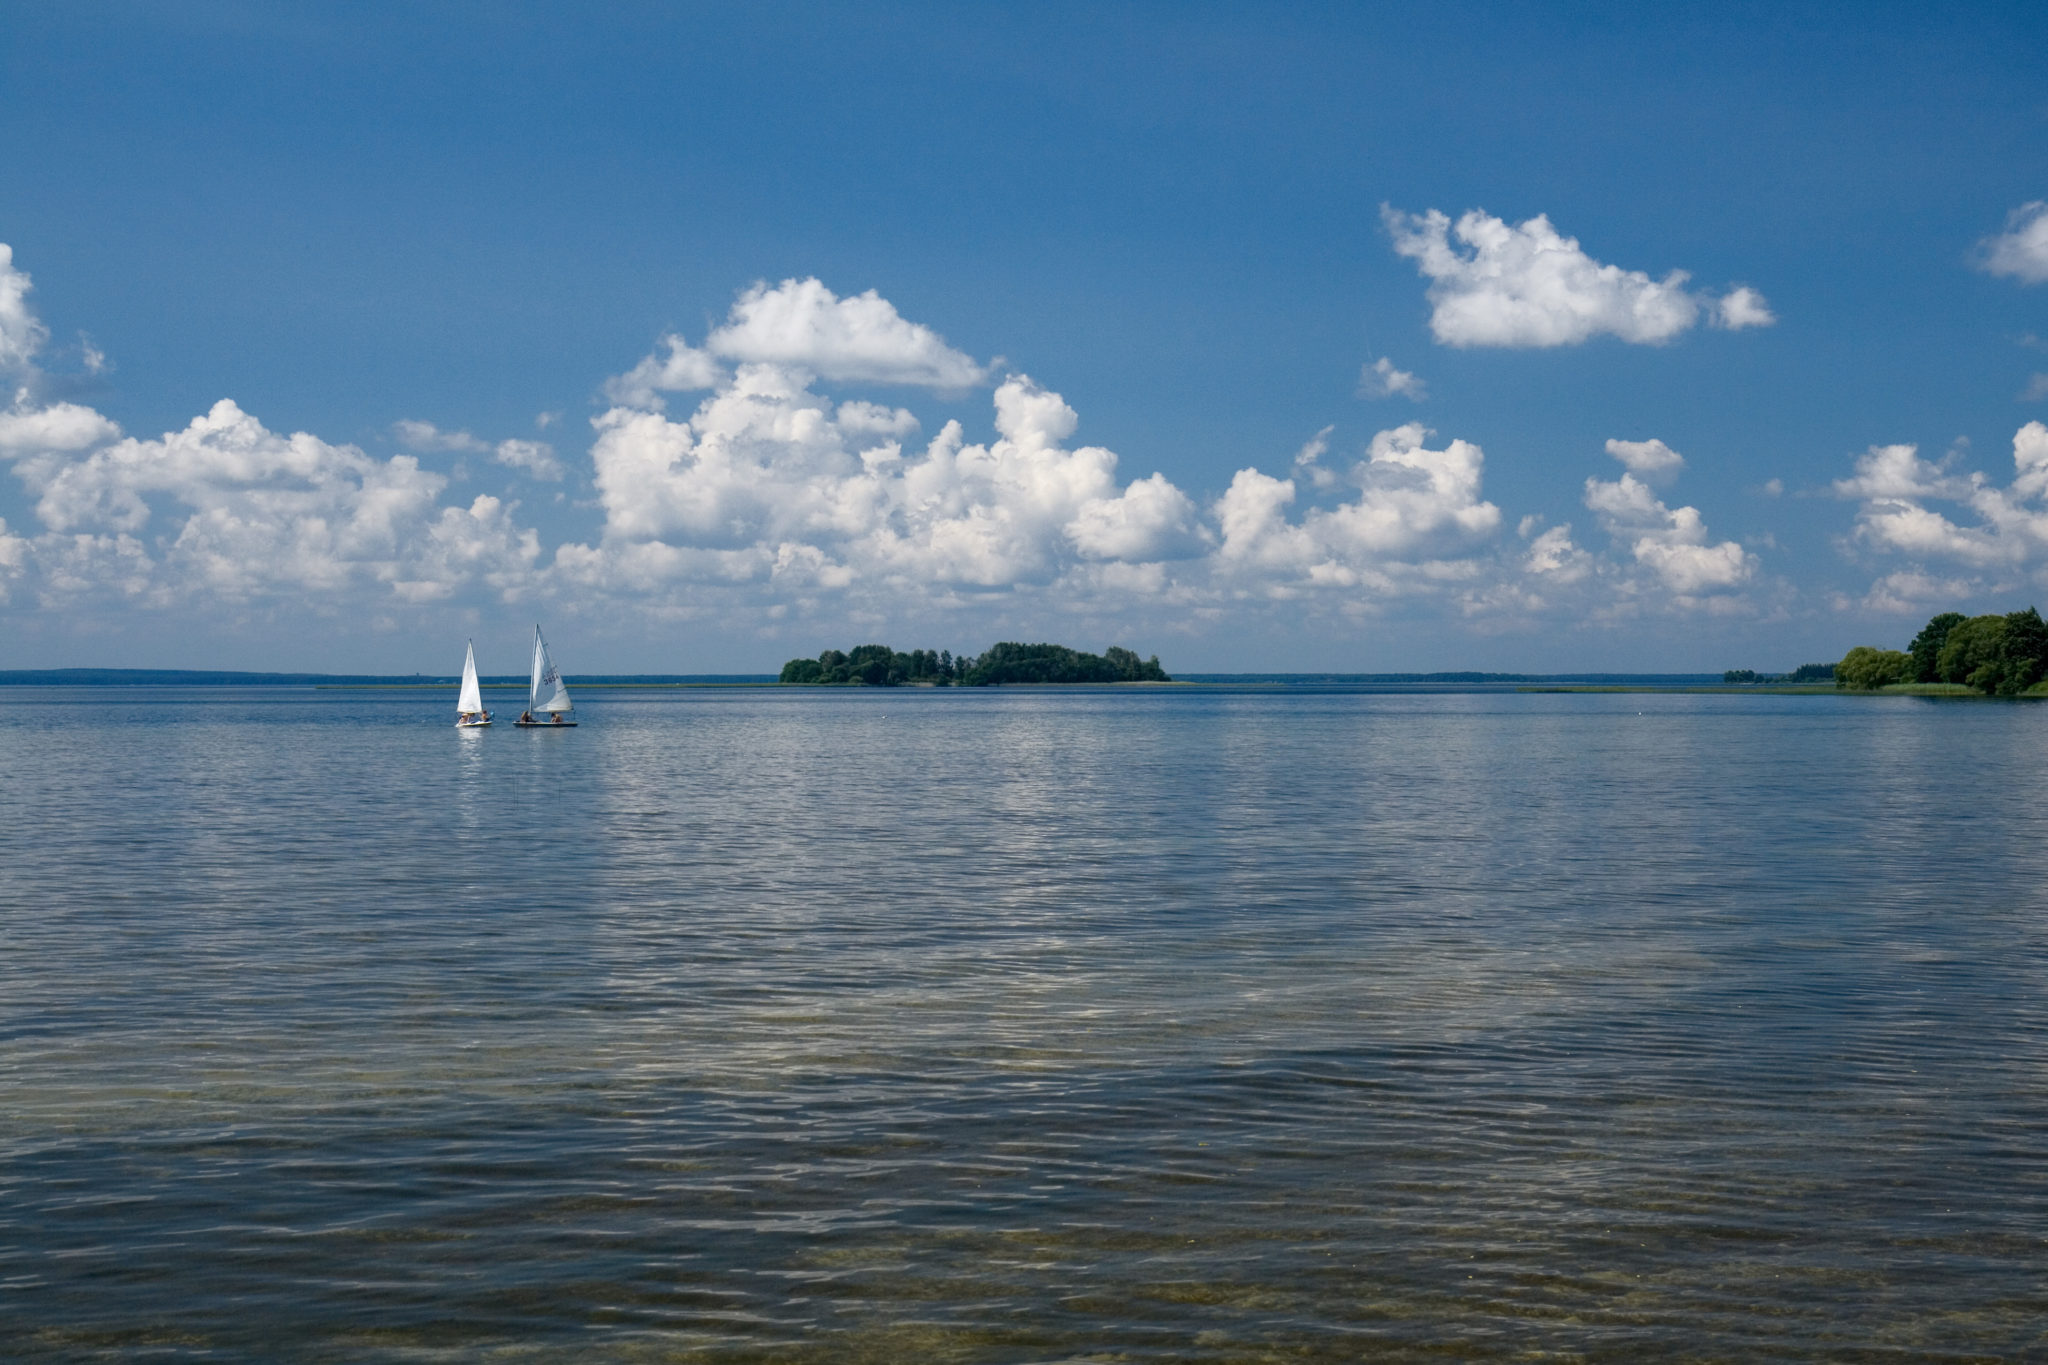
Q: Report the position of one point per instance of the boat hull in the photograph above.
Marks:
(545, 724)
(472, 724)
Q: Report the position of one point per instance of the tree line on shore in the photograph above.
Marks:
(1805, 673)
(1998, 655)
(1009, 662)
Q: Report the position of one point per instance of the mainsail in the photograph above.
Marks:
(547, 692)
(471, 700)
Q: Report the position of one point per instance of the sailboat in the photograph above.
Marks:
(547, 692)
(469, 707)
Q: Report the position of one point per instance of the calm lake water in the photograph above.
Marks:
(1023, 1026)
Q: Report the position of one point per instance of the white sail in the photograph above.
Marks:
(471, 701)
(547, 692)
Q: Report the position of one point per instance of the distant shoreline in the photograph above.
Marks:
(190, 677)
(1668, 684)
(169, 677)
(196, 677)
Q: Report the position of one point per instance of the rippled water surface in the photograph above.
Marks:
(1023, 1026)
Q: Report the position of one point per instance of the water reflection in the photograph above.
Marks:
(1016, 1026)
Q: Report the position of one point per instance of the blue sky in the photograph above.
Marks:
(1174, 233)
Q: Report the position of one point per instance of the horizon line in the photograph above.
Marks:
(115, 677)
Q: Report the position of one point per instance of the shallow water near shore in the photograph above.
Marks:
(1023, 1026)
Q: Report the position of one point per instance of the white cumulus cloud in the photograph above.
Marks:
(861, 338)
(1912, 592)
(1527, 284)
(1415, 506)
(1150, 520)
(1379, 379)
(22, 333)
(1742, 307)
(2007, 529)
(1670, 542)
(231, 510)
(1651, 459)
(537, 458)
(801, 324)
(29, 429)
(1896, 473)
(1554, 557)
(677, 368)
(780, 484)
(860, 418)
(1412, 495)
(2021, 251)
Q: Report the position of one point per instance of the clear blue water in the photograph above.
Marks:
(1023, 1026)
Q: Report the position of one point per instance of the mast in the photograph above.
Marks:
(540, 654)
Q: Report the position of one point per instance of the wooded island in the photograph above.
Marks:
(881, 666)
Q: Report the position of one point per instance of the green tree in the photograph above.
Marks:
(873, 666)
(1130, 668)
(801, 671)
(1970, 654)
(1870, 669)
(2022, 652)
(1926, 646)
(1011, 662)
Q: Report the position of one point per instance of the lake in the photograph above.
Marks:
(1023, 1025)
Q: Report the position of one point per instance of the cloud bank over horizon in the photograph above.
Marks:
(773, 500)
(780, 497)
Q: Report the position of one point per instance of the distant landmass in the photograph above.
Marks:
(1805, 673)
(186, 677)
(1009, 662)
